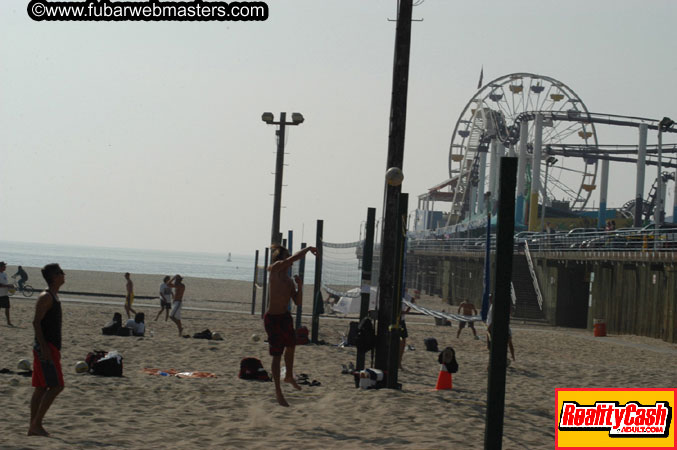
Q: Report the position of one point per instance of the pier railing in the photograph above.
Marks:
(534, 279)
(618, 244)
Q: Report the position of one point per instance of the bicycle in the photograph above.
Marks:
(27, 290)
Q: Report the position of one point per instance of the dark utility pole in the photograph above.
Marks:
(396, 312)
(256, 268)
(493, 432)
(267, 117)
(398, 116)
(264, 294)
(317, 295)
(302, 274)
(275, 236)
(367, 258)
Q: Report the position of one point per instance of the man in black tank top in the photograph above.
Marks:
(47, 374)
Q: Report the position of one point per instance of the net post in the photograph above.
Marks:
(493, 432)
(396, 311)
(302, 271)
(367, 258)
(317, 295)
(264, 295)
(256, 268)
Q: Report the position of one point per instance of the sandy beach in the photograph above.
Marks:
(141, 411)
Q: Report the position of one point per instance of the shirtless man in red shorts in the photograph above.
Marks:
(277, 320)
(47, 375)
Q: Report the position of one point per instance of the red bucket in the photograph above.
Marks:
(599, 327)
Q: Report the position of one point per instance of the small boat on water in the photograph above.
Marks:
(229, 257)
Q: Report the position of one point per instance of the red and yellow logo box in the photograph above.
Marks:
(615, 418)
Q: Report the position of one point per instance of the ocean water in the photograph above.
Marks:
(74, 257)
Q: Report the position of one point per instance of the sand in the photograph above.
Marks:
(143, 411)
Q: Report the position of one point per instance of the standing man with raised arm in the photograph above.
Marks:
(278, 320)
(47, 374)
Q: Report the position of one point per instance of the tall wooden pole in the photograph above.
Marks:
(493, 433)
(398, 119)
(367, 257)
(275, 235)
(396, 317)
(302, 271)
(264, 294)
(256, 268)
(317, 295)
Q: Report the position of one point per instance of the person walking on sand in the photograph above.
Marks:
(278, 321)
(179, 289)
(467, 309)
(4, 291)
(490, 319)
(47, 375)
(165, 298)
(129, 298)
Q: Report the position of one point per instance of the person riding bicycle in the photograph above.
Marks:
(23, 277)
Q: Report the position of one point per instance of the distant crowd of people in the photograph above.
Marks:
(171, 298)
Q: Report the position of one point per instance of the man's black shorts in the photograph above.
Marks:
(469, 323)
(4, 301)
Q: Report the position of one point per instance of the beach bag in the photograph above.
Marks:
(352, 333)
(366, 337)
(302, 336)
(204, 334)
(93, 357)
(106, 365)
(112, 327)
(370, 379)
(447, 357)
(252, 369)
(430, 344)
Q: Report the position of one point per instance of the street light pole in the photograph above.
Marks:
(297, 119)
(551, 161)
(659, 217)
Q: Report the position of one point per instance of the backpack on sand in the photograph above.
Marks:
(252, 369)
(107, 364)
(431, 344)
(366, 337)
(448, 358)
(112, 327)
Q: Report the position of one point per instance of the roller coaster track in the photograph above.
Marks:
(615, 152)
(582, 117)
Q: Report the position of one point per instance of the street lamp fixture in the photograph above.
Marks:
(665, 124)
(269, 118)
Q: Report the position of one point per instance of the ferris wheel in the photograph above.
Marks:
(494, 113)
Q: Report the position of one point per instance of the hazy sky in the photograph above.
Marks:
(148, 135)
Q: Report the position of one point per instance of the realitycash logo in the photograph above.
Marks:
(615, 418)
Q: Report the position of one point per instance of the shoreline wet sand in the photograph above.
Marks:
(142, 411)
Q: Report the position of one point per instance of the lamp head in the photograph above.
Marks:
(552, 160)
(297, 118)
(665, 123)
(268, 117)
